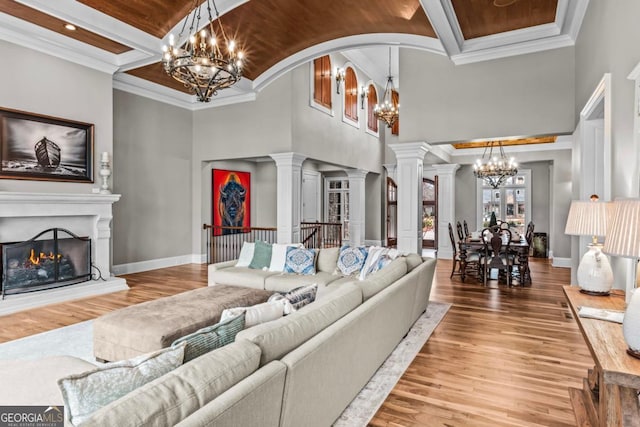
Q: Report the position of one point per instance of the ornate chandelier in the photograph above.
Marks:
(387, 112)
(199, 62)
(493, 170)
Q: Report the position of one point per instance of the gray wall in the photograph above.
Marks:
(607, 43)
(522, 95)
(374, 205)
(152, 171)
(37, 83)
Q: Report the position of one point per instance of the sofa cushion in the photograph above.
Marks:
(413, 260)
(179, 393)
(286, 282)
(34, 382)
(327, 261)
(300, 261)
(89, 391)
(351, 259)
(241, 276)
(279, 337)
(379, 280)
(246, 254)
(256, 314)
(206, 339)
(261, 255)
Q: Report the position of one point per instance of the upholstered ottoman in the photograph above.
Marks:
(152, 325)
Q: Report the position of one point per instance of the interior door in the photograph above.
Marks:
(310, 196)
(430, 213)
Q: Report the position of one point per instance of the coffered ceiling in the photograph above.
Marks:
(124, 37)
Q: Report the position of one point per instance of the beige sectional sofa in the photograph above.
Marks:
(302, 369)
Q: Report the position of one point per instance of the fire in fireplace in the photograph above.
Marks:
(44, 263)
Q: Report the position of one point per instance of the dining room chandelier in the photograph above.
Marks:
(207, 60)
(492, 169)
(387, 111)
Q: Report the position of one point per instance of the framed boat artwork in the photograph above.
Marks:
(37, 147)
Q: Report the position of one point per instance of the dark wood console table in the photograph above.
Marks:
(609, 397)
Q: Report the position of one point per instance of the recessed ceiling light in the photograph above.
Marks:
(70, 27)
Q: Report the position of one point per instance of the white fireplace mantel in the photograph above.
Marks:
(23, 215)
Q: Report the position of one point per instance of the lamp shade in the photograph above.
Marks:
(623, 237)
(588, 218)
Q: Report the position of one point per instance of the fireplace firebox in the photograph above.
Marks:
(56, 257)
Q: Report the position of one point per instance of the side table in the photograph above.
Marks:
(609, 397)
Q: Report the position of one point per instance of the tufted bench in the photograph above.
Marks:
(152, 325)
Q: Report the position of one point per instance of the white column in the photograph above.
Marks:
(289, 195)
(357, 206)
(446, 207)
(409, 157)
(391, 171)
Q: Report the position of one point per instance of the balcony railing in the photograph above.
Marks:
(225, 243)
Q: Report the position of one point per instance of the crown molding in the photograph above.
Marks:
(22, 33)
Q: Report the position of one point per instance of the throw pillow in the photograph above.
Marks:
(279, 255)
(261, 255)
(246, 254)
(377, 258)
(301, 296)
(87, 392)
(256, 314)
(351, 259)
(300, 261)
(287, 307)
(211, 337)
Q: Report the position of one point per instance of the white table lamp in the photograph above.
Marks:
(623, 240)
(591, 218)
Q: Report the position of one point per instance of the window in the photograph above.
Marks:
(511, 202)
(351, 95)
(372, 100)
(336, 202)
(322, 81)
(395, 99)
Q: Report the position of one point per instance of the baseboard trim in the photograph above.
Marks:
(154, 264)
(561, 262)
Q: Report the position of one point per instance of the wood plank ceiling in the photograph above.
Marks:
(273, 30)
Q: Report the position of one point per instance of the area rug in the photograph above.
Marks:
(372, 396)
(77, 340)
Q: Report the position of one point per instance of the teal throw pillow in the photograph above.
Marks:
(211, 337)
(261, 255)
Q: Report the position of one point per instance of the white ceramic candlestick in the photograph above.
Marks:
(105, 173)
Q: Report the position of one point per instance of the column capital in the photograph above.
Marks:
(288, 159)
(446, 168)
(410, 150)
(356, 173)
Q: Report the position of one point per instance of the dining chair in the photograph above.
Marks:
(522, 267)
(459, 230)
(466, 228)
(472, 261)
(497, 253)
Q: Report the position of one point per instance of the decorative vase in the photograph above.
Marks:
(595, 276)
(631, 325)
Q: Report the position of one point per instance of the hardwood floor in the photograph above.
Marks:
(500, 357)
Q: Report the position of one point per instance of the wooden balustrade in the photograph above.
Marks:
(224, 243)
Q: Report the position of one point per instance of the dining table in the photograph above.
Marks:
(519, 246)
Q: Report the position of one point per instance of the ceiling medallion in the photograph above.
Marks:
(388, 112)
(494, 170)
(503, 3)
(199, 62)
